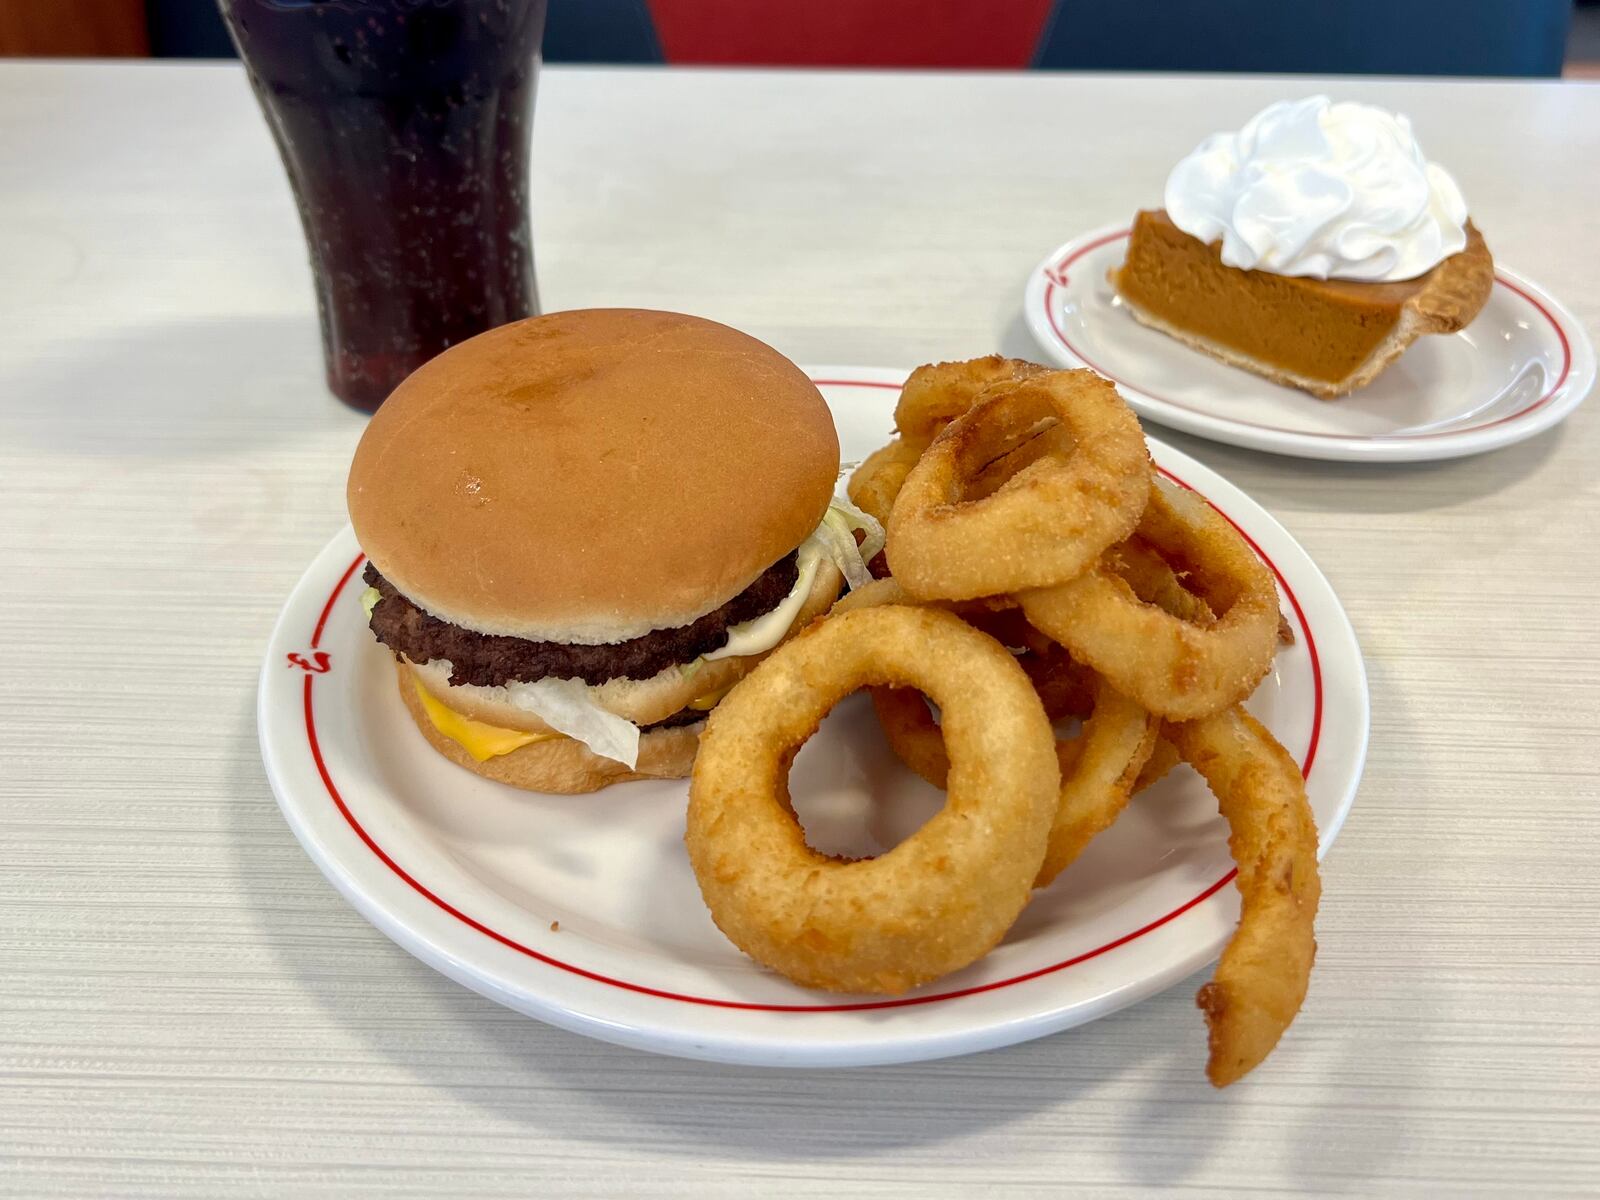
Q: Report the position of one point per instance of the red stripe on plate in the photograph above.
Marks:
(854, 383)
(322, 621)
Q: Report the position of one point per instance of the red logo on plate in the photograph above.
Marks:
(1056, 275)
(317, 664)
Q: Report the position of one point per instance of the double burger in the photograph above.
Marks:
(582, 529)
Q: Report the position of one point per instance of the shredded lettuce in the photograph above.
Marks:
(565, 706)
(872, 532)
(369, 601)
(837, 533)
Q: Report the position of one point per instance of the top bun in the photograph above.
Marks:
(590, 476)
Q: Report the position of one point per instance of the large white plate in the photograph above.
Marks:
(1521, 367)
(582, 910)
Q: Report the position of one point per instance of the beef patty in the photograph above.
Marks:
(684, 716)
(490, 660)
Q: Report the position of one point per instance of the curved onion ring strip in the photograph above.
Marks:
(1163, 757)
(1099, 773)
(1175, 667)
(937, 901)
(1044, 525)
(1261, 978)
(912, 733)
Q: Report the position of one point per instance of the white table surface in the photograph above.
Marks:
(188, 1010)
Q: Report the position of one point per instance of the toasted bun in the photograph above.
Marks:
(590, 476)
(563, 765)
(642, 701)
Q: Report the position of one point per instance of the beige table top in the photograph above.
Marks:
(189, 1010)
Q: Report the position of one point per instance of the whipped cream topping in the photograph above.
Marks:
(1313, 188)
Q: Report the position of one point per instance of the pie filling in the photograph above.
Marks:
(1321, 329)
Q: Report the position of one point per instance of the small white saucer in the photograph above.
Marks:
(1521, 367)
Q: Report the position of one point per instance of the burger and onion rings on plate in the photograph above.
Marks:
(602, 550)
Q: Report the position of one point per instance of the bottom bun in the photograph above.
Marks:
(562, 765)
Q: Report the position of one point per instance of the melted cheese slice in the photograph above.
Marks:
(479, 739)
(710, 700)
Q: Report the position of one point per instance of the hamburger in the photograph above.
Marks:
(584, 528)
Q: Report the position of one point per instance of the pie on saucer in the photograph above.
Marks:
(1324, 336)
(1312, 246)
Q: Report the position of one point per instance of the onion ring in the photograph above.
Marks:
(936, 394)
(1100, 766)
(1099, 773)
(877, 481)
(1163, 757)
(912, 733)
(1153, 580)
(1046, 524)
(937, 901)
(1261, 979)
(1178, 667)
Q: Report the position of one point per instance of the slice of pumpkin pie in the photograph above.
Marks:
(1312, 247)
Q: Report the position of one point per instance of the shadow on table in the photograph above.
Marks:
(1281, 484)
(1130, 1086)
(186, 389)
(1138, 1071)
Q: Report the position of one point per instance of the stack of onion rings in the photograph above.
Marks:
(1040, 573)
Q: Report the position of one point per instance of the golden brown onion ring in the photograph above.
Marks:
(1099, 772)
(1163, 757)
(1178, 667)
(937, 901)
(1100, 766)
(936, 394)
(877, 481)
(1262, 976)
(1044, 525)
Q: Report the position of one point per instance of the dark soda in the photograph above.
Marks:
(404, 126)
